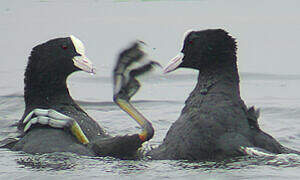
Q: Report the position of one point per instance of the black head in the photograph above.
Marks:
(50, 64)
(202, 49)
(60, 55)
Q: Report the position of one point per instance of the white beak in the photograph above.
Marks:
(84, 64)
(81, 61)
(174, 63)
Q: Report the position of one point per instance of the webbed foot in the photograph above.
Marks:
(56, 120)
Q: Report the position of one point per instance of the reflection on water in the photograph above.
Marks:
(45, 162)
(73, 162)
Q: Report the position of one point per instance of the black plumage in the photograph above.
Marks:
(48, 68)
(215, 123)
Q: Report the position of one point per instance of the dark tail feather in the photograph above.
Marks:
(252, 116)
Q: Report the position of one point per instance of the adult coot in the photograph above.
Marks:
(48, 68)
(215, 123)
(49, 104)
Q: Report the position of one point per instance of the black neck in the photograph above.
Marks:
(44, 89)
(225, 75)
(216, 81)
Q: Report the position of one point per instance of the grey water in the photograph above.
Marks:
(267, 33)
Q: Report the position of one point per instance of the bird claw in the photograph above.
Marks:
(55, 123)
(51, 113)
(54, 119)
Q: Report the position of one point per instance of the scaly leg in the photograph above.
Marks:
(126, 84)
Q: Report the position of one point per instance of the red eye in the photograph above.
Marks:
(64, 46)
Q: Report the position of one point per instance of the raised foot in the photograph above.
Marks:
(132, 63)
(126, 84)
(54, 119)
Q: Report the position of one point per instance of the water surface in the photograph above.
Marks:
(267, 35)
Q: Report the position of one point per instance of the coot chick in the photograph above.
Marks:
(215, 123)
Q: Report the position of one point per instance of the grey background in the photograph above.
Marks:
(267, 31)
